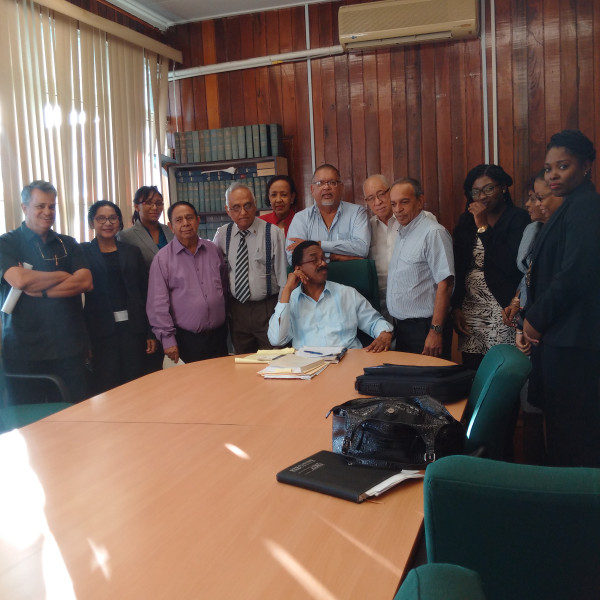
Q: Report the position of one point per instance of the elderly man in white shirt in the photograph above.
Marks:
(420, 276)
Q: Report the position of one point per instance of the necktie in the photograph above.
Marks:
(242, 283)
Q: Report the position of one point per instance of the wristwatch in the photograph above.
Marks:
(482, 229)
(436, 328)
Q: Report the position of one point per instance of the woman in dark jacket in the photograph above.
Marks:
(562, 317)
(486, 241)
(115, 311)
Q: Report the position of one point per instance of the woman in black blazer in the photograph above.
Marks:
(562, 319)
(486, 241)
(115, 311)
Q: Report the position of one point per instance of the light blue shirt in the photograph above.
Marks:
(422, 258)
(349, 233)
(331, 321)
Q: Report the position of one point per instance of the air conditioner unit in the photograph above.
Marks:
(394, 22)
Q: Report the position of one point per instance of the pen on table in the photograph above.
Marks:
(313, 352)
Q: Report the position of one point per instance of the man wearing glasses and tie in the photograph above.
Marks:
(255, 255)
(340, 228)
(44, 333)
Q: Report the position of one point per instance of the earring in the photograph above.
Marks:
(587, 173)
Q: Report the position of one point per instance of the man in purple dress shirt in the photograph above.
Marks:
(186, 291)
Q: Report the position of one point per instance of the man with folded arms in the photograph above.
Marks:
(340, 228)
(420, 277)
(315, 312)
(255, 254)
(45, 333)
(186, 291)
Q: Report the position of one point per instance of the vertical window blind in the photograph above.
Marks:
(80, 108)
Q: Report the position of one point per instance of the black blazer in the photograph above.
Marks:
(564, 296)
(501, 244)
(97, 310)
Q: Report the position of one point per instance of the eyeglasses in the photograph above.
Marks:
(315, 261)
(329, 182)
(149, 204)
(102, 219)
(486, 191)
(237, 208)
(55, 258)
(379, 195)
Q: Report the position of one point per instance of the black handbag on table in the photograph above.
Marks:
(395, 432)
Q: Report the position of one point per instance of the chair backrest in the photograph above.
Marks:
(438, 581)
(13, 417)
(490, 413)
(359, 274)
(530, 532)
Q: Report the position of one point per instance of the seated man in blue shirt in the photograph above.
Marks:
(323, 313)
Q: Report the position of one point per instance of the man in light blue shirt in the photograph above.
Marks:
(420, 277)
(341, 228)
(323, 313)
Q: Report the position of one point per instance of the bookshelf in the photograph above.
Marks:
(204, 185)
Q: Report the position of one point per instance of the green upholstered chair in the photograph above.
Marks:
(531, 533)
(362, 275)
(441, 582)
(13, 417)
(493, 403)
(359, 274)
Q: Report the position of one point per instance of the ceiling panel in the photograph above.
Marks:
(165, 13)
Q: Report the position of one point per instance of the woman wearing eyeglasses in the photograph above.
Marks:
(149, 235)
(281, 195)
(115, 311)
(486, 241)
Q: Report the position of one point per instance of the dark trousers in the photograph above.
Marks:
(31, 391)
(568, 391)
(154, 362)
(117, 358)
(200, 346)
(249, 323)
(410, 335)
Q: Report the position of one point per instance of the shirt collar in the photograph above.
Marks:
(406, 229)
(251, 229)
(33, 236)
(327, 290)
(179, 247)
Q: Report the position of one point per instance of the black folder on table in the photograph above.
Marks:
(334, 474)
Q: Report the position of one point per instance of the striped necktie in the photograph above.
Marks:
(242, 282)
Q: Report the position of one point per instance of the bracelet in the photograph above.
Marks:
(518, 333)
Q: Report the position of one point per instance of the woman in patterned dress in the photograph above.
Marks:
(486, 241)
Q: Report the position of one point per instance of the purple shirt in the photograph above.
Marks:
(186, 290)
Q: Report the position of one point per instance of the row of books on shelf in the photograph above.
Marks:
(229, 143)
(207, 230)
(209, 196)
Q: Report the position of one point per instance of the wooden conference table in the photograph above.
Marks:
(165, 488)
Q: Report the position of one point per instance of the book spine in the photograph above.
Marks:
(255, 141)
(249, 144)
(263, 133)
(228, 151)
(241, 141)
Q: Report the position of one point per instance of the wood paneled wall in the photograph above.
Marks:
(408, 111)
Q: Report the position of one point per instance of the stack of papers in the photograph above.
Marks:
(332, 354)
(264, 356)
(293, 367)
